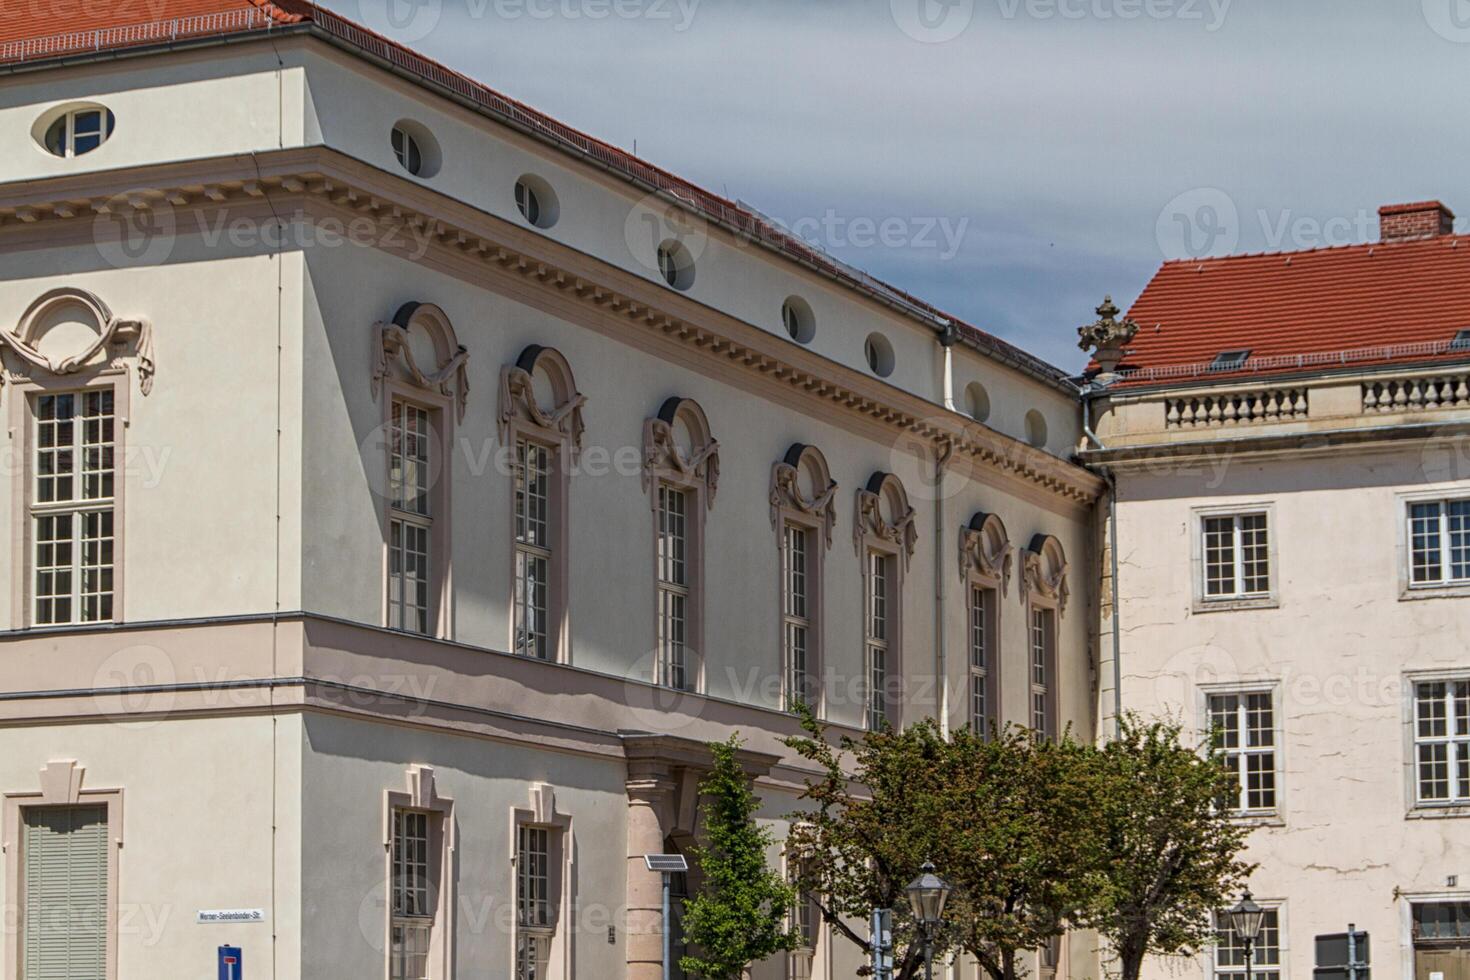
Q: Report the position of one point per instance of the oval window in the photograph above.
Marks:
(415, 148)
(536, 201)
(1036, 429)
(879, 354)
(78, 130)
(797, 317)
(977, 401)
(675, 264)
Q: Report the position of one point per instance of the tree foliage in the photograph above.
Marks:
(1166, 852)
(1036, 836)
(740, 914)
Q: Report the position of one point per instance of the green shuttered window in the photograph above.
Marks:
(64, 854)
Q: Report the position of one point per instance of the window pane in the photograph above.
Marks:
(1457, 517)
(1255, 554)
(1425, 555)
(1219, 556)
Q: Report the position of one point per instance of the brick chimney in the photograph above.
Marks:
(1406, 222)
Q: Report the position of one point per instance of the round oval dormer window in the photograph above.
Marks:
(537, 201)
(878, 352)
(675, 264)
(415, 148)
(78, 130)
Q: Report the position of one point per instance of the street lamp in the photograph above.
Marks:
(1246, 920)
(927, 895)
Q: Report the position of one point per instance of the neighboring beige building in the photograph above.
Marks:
(1290, 440)
(403, 488)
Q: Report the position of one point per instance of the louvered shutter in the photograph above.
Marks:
(64, 851)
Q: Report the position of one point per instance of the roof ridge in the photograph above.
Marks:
(1318, 250)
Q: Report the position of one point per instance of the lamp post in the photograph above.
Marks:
(1246, 920)
(927, 895)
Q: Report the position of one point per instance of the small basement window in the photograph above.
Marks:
(1461, 341)
(1230, 360)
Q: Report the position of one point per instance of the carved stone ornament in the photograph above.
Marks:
(72, 314)
(518, 398)
(985, 549)
(394, 350)
(663, 456)
(1108, 337)
(819, 501)
(883, 514)
(1045, 571)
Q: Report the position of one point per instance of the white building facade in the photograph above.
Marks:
(403, 489)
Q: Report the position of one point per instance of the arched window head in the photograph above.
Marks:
(1045, 573)
(71, 331)
(802, 482)
(883, 515)
(986, 551)
(677, 444)
(419, 347)
(539, 390)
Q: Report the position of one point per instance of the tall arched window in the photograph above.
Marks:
(1045, 593)
(541, 425)
(803, 512)
(421, 373)
(885, 537)
(985, 570)
(681, 471)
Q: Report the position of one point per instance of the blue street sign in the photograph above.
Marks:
(231, 963)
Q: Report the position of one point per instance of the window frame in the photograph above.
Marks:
(1414, 808)
(1043, 624)
(23, 419)
(988, 679)
(541, 814)
(1203, 602)
(890, 644)
(61, 786)
(1409, 590)
(802, 496)
(107, 123)
(1274, 815)
(666, 469)
(436, 522)
(1283, 946)
(884, 526)
(808, 619)
(421, 796)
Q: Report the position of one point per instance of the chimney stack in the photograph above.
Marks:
(1407, 222)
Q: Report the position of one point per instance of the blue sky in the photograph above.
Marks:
(1008, 160)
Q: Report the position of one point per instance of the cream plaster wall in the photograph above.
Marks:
(1338, 647)
(201, 474)
(211, 820)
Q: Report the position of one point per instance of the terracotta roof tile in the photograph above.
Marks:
(1353, 306)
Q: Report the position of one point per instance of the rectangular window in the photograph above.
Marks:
(1237, 558)
(1442, 741)
(410, 522)
(879, 639)
(983, 705)
(1043, 660)
(63, 931)
(533, 549)
(1265, 954)
(796, 590)
(413, 911)
(1444, 921)
(1439, 543)
(673, 588)
(72, 507)
(1244, 726)
(535, 910)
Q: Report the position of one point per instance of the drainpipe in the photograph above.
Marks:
(1088, 393)
(947, 340)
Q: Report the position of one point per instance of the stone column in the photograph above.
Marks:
(650, 790)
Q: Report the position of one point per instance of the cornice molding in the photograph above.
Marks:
(320, 177)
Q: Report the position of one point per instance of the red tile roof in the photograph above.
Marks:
(28, 36)
(1349, 307)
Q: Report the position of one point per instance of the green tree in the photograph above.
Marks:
(1167, 851)
(1016, 842)
(875, 821)
(739, 916)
